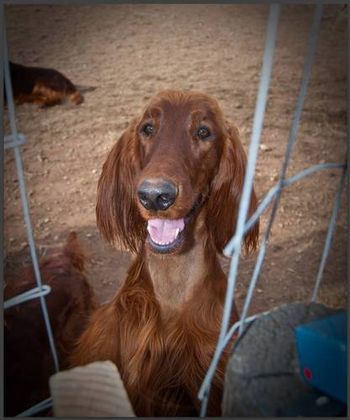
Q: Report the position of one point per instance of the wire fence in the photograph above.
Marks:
(233, 248)
(16, 140)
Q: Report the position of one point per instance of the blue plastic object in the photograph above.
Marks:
(322, 350)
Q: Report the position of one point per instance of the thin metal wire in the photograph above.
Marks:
(247, 189)
(330, 231)
(310, 54)
(37, 408)
(23, 195)
(237, 324)
(26, 296)
(11, 141)
(269, 196)
(309, 171)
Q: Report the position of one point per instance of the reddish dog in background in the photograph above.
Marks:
(169, 191)
(46, 87)
(27, 357)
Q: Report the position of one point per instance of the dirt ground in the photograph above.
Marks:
(129, 52)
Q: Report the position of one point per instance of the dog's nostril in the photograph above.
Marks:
(143, 199)
(157, 194)
(164, 201)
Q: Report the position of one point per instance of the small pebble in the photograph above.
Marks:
(265, 148)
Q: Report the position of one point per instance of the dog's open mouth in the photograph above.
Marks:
(165, 234)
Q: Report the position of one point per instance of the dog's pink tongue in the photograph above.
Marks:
(164, 231)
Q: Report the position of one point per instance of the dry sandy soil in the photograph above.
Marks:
(129, 52)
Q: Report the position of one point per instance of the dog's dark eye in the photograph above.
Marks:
(203, 132)
(147, 129)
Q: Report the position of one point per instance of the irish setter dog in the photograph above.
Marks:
(27, 356)
(46, 87)
(169, 191)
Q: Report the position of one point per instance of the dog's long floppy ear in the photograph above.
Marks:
(116, 212)
(225, 194)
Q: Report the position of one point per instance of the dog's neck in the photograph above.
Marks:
(175, 277)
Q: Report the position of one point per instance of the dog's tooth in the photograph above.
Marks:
(177, 232)
(168, 242)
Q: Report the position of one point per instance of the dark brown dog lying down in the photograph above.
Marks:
(45, 87)
(27, 357)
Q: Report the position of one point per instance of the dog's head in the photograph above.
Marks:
(179, 163)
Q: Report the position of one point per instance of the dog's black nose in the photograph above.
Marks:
(157, 194)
